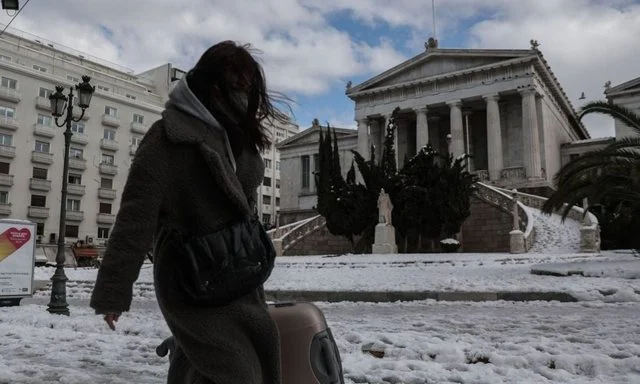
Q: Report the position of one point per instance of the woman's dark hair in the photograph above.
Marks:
(227, 73)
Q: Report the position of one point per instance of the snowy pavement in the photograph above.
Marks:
(423, 342)
(489, 272)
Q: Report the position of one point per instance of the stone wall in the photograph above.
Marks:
(320, 242)
(487, 228)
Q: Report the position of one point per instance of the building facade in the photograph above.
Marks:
(627, 95)
(299, 161)
(269, 192)
(504, 107)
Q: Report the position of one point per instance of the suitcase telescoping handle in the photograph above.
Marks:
(326, 359)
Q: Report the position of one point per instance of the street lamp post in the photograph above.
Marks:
(59, 102)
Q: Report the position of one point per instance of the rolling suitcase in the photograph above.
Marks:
(309, 354)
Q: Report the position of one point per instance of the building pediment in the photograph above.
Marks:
(312, 136)
(629, 87)
(439, 62)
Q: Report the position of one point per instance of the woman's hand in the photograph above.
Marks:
(111, 319)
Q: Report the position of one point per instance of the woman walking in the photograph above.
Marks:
(191, 191)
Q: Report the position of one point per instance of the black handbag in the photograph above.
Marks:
(220, 267)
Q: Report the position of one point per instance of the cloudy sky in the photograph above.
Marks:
(311, 48)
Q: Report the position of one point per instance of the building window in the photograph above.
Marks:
(6, 139)
(40, 173)
(111, 111)
(306, 169)
(4, 197)
(4, 168)
(75, 179)
(7, 112)
(76, 153)
(107, 159)
(267, 163)
(73, 79)
(135, 141)
(130, 96)
(277, 165)
(8, 83)
(42, 146)
(44, 92)
(109, 134)
(45, 120)
(73, 205)
(71, 231)
(279, 134)
(266, 218)
(38, 201)
(266, 199)
(266, 182)
(78, 127)
(277, 183)
(106, 183)
(103, 88)
(105, 208)
(39, 68)
(138, 118)
(277, 201)
(103, 233)
(40, 229)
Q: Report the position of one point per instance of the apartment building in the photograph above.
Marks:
(269, 191)
(103, 144)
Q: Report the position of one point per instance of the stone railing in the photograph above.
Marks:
(513, 173)
(296, 232)
(278, 232)
(502, 200)
(482, 174)
(537, 202)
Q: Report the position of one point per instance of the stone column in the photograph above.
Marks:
(374, 129)
(422, 128)
(363, 142)
(530, 137)
(494, 137)
(457, 134)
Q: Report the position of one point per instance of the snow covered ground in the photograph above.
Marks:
(553, 235)
(423, 342)
(428, 272)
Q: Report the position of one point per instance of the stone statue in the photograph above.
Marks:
(349, 84)
(534, 44)
(432, 43)
(607, 85)
(385, 207)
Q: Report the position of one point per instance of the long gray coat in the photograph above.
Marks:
(182, 174)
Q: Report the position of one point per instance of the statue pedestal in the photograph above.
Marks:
(589, 239)
(385, 240)
(516, 243)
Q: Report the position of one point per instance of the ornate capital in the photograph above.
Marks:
(528, 91)
(422, 109)
(491, 97)
(454, 103)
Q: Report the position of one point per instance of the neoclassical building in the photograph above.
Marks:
(505, 107)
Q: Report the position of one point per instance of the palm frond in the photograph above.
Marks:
(625, 115)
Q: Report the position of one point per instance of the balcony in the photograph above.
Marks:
(43, 103)
(138, 128)
(5, 209)
(75, 215)
(133, 149)
(111, 121)
(106, 218)
(8, 94)
(76, 189)
(7, 151)
(44, 131)
(9, 123)
(80, 138)
(6, 180)
(38, 212)
(77, 111)
(105, 193)
(39, 185)
(109, 145)
(41, 157)
(77, 163)
(108, 169)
